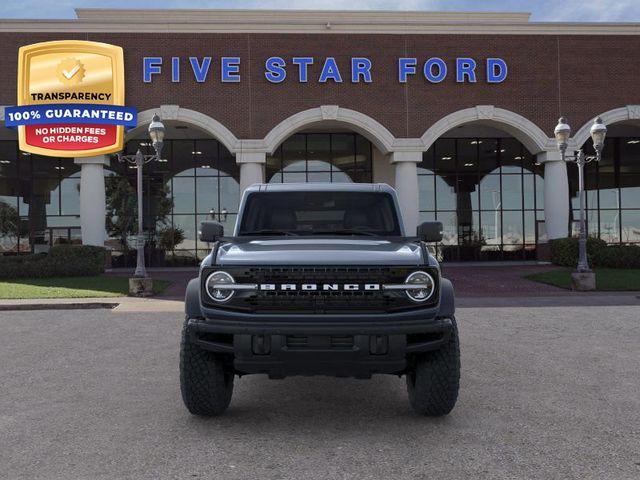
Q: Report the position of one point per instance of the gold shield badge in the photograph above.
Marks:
(69, 86)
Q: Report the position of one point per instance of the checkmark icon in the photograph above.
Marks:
(71, 73)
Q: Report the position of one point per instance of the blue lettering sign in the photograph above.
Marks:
(151, 66)
(200, 71)
(496, 70)
(428, 70)
(303, 64)
(230, 70)
(175, 69)
(360, 67)
(465, 67)
(406, 66)
(275, 69)
(330, 71)
(434, 69)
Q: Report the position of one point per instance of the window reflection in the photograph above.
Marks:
(487, 195)
(321, 157)
(612, 191)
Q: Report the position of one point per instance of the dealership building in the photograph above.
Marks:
(454, 110)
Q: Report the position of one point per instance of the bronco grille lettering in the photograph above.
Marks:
(348, 287)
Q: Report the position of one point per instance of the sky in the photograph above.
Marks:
(542, 10)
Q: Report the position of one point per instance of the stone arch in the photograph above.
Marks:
(382, 138)
(622, 114)
(527, 132)
(197, 119)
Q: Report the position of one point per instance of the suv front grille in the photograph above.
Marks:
(319, 301)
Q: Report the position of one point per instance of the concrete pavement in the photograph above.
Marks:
(546, 393)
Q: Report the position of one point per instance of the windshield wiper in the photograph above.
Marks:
(269, 231)
(346, 231)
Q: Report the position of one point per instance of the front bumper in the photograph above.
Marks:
(343, 346)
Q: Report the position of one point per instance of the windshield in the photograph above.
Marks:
(320, 213)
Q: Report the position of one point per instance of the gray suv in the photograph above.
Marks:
(319, 279)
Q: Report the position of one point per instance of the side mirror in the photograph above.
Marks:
(210, 231)
(430, 231)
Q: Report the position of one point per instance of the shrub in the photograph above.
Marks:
(169, 237)
(618, 256)
(61, 261)
(564, 252)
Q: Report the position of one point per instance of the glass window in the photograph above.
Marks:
(629, 154)
(206, 195)
(427, 192)
(312, 212)
(511, 155)
(70, 196)
(445, 195)
(187, 223)
(450, 227)
(319, 152)
(273, 167)
(609, 225)
(445, 156)
(490, 197)
(183, 190)
(426, 166)
(512, 228)
(630, 190)
(182, 160)
(340, 148)
(630, 226)
(321, 157)
(512, 192)
(294, 153)
(467, 154)
(488, 156)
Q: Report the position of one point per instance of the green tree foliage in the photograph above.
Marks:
(122, 208)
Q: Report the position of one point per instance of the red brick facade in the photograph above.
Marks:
(578, 76)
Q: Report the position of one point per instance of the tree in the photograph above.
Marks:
(122, 208)
(9, 221)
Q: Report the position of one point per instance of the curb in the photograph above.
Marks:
(57, 306)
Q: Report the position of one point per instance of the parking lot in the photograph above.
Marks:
(548, 392)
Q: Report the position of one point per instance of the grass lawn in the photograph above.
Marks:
(606, 278)
(70, 287)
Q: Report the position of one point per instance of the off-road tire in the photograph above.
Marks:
(205, 385)
(433, 383)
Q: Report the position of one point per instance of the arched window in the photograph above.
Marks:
(321, 157)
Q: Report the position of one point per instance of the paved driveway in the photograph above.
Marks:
(546, 393)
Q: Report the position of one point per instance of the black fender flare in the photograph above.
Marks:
(192, 299)
(447, 299)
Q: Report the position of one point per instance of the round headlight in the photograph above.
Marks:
(424, 286)
(215, 286)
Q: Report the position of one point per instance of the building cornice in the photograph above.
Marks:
(308, 21)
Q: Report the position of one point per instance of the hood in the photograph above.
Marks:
(325, 251)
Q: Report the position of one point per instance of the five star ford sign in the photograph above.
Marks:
(71, 99)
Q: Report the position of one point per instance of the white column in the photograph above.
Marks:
(251, 168)
(93, 208)
(406, 184)
(556, 194)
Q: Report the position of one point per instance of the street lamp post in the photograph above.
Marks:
(156, 133)
(562, 133)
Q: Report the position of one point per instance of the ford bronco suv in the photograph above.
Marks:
(319, 279)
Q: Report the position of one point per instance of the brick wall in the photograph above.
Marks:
(578, 76)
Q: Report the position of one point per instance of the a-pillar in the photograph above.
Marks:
(406, 184)
(251, 168)
(92, 199)
(556, 194)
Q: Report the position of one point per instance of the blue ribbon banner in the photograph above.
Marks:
(70, 113)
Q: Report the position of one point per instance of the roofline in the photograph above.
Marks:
(320, 187)
(310, 21)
